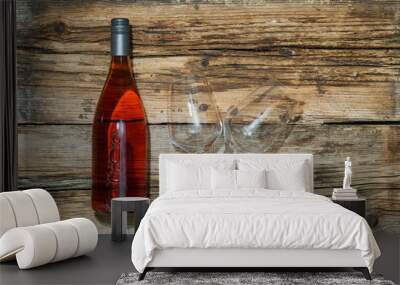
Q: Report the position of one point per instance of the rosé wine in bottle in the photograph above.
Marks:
(119, 142)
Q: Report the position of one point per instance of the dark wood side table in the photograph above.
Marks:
(119, 208)
(357, 205)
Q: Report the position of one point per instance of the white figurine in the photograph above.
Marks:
(347, 174)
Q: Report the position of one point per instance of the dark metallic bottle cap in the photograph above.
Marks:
(120, 37)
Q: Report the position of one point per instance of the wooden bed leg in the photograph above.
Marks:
(143, 274)
(364, 271)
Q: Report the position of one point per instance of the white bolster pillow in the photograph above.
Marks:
(45, 206)
(24, 211)
(26, 208)
(7, 219)
(32, 246)
(40, 244)
(87, 235)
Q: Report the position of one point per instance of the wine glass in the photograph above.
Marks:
(260, 122)
(194, 119)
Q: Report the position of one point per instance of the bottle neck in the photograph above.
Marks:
(120, 43)
(120, 62)
(121, 67)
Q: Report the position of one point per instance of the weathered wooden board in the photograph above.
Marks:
(77, 203)
(382, 204)
(331, 58)
(385, 205)
(65, 26)
(58, 157)
(61, 153)
(64, 88)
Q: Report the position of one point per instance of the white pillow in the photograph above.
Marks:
(182, 177)
(290, 175)
(227, 179)
(223, 179)
(251, 178)
(193, 174)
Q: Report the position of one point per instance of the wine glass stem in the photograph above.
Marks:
(227, 135)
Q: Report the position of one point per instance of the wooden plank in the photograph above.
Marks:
(54, 156)
(331, 58)
(65, 26)
(326, 85)
(77, 204)
(58, 157)
(383, 208)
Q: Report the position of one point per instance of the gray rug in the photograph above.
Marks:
(243, 278)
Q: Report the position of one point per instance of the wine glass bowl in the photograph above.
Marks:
(260, 121)
(194, 119)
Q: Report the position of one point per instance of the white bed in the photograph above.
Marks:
(283, 225)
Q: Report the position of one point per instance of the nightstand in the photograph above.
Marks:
(357, 205)
(119, 208)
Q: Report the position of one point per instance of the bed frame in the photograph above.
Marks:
(250, 258)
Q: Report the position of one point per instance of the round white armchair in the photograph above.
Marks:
(31, 230)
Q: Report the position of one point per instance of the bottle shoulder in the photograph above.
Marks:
(119, 99)
(122, 103)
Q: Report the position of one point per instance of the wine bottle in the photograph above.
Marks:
(119, 142)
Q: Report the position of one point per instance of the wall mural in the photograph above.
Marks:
(329, 72)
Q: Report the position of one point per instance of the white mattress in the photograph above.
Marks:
(252, 219)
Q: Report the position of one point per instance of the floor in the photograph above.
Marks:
(110, 260)
(103, 266)
(389, 263)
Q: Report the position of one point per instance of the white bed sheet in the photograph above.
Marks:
(252, 218)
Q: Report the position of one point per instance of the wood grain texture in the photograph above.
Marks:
(374, 150)
(337, 62)
(58, 157)
(382, 208)
(60, 88)
(77, 203)
(332, 58)
(64, 26)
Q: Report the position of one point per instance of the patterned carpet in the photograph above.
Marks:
(243, 278)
